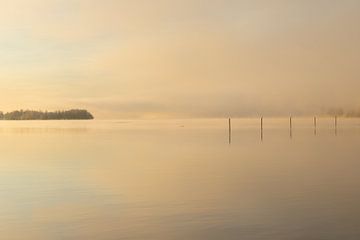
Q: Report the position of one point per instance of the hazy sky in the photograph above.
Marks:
(180, 58)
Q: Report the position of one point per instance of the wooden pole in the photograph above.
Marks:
(229, 130)
(315, 126)
(290, 122)
(335, 125)
(261, 129)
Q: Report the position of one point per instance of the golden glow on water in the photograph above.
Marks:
(179, 180)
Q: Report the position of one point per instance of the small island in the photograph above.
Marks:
(73, 114)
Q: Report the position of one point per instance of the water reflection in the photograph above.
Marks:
(26, 130)
(105, 180)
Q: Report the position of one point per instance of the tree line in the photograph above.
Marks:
(340, 112)
(73, 114)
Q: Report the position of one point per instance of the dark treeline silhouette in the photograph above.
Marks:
(74, 114)
(343, 113)
(353, 114)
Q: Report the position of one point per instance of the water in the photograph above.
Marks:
(179, 179)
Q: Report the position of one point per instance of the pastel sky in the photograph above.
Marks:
(180, 58)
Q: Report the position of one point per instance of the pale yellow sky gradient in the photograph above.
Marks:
(180, 58)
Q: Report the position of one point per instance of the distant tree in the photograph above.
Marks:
(336, 112)
(39, 115)
(1, 115)
(353, 113)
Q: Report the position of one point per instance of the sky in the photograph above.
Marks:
(180, 58)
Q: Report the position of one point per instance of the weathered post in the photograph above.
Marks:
(261, 129)
(229, 130)
(335, 125)
(290, 122)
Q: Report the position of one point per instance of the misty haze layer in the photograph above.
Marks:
(180, 58)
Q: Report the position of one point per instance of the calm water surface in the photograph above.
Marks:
(179, 179)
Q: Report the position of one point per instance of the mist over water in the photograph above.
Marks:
(179, 179)
(180, 58)
(175, 166)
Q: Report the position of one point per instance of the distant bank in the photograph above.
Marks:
(73, 114)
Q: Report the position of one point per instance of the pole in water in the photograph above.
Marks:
(261, 129)
(229, 130)
(315, 126)
(290, 122)
(335, 125)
